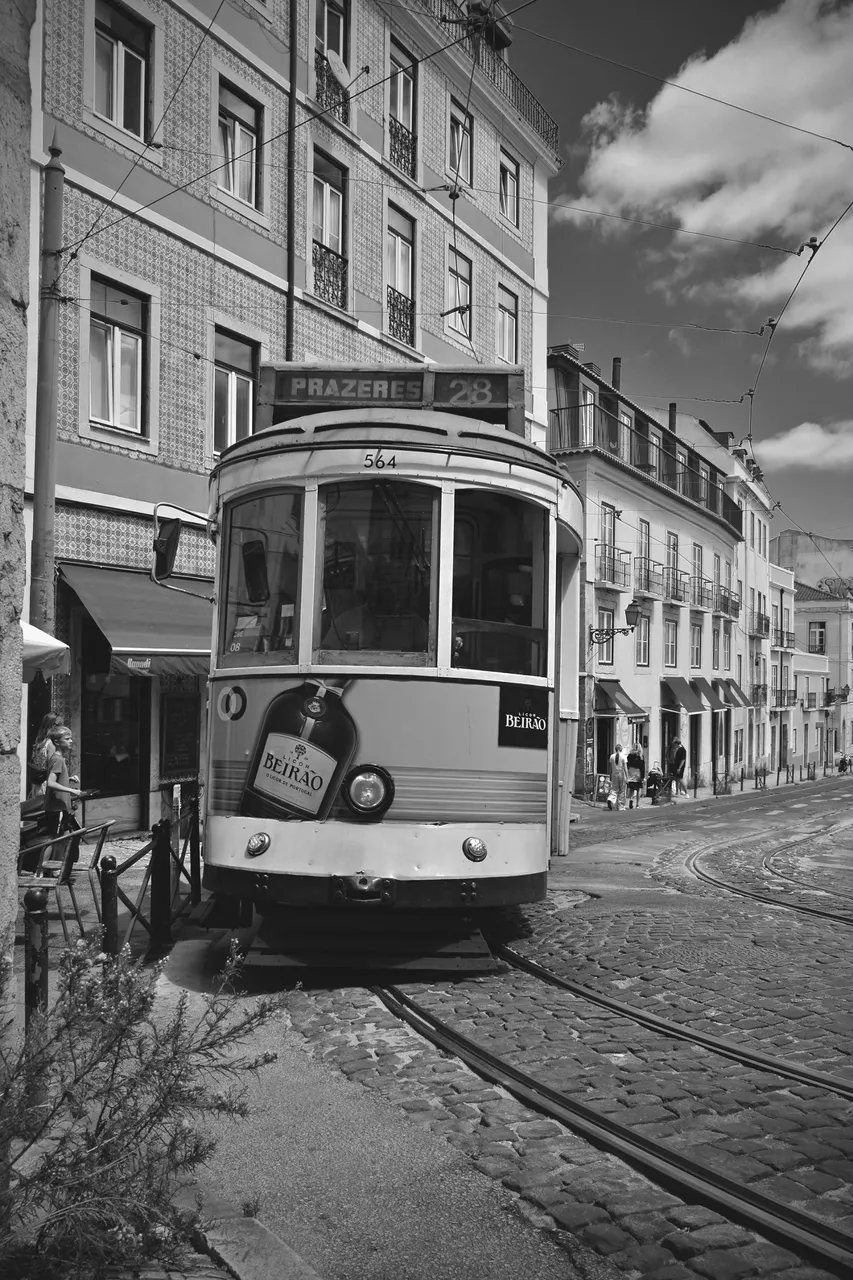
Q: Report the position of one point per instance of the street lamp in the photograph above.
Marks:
(601, 635)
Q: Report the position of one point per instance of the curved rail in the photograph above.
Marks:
(766, 864)
(691, 862)
(726, 1048)
(788, 1226)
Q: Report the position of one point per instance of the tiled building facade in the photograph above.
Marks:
(420, 170)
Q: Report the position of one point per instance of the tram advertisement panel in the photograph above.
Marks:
(284, 747)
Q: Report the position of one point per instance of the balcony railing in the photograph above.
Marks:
(588, 426)
(784, 639)
(829, 696)
(613, 566)
(501, 75)
(330, 275)
(725, 601)
(784, 698)
(701, 593)
(759, 695)
(331, 94)
(759, 623)
(403, 150)
(648, 576)
(676, 585)
(401, 317)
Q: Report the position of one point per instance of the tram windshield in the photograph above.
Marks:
(261, 591)
(379, 577)
(500, 563)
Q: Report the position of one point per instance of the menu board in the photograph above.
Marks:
(180, 716)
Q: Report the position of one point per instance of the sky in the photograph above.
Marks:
(643, 150)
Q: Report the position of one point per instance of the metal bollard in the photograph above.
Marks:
(195, 851)
(778, 774)
(109, 904)
(741, 779)
(35, 954)
(161, 885)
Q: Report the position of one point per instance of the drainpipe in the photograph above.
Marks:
(291, 192)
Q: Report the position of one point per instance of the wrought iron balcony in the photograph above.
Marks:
(676, 585)
(330, 275)
(613, 566)
(759, 623)
(701, 593)
(759, 695)
(783, 639)
(784, 698)
(648, 576)
(331, 94)
(403, 150)
(401, 317)
(589, 427)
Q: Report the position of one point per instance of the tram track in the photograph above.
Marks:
(692, 865)
(803, 1233)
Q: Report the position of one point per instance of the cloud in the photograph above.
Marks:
(701, 166)
(811, 446)
(679, 341)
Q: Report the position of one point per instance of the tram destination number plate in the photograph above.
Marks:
(472, 391)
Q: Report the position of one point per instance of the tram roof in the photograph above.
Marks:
(424, 429)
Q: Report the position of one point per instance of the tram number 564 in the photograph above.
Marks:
(379, 461)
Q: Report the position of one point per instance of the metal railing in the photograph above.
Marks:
(648, 576)
(725, 601)
(759, 623)
(701, 593)
(580, 427)
(403, 149)
(499, 72)
(613, 565)
(759, 695)
(401, 317)
(676, 585)
(330, 275)
(784, 639)
(331, 94)
(784, 698)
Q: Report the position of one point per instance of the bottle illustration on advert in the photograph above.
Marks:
(305, 745)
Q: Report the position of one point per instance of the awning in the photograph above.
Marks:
(612, 700)
(43, 653)
(151, 631)
(722, 687)
(681, 695)
(700, 685)
(740, 697)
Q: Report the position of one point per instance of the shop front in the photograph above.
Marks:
(618, 719)
(681, 715)
(141, 654)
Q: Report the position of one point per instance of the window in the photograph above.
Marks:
(644, 541)
(330, 28)
(817, 637)
(500, 608)
(794, 738)
(587, 414)
(752, 528)
(122, 60)
(507, 325)
(681, 459)
(117, 352)
(670, 642)
(728, 576)
(235, 367)
(459, 293)
(641, 641)
(508, 184)
(774, 678)
(727, 648)
(805, 742)
(654, 455)
(239, 133)
(329, 260)
(704, 483)
(715, 648)
(401, 112)
(605, 650)
(608, 525)
(738, 754)
(774, 620)
(697, 560)
(260, 614)
(786, 619)
(461, 131)
(399, 266)
(379, 578)
(740, 670)
(696, 644)
(672, 551)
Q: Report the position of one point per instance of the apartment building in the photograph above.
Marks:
(415, 225)
(677, 530)
(824, 630)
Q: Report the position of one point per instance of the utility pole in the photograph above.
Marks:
(291, 188)
(42, 587)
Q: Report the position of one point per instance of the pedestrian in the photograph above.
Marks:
(618, 780)
(41, 755)
(636, 766)
(677, 764)
(655, 782)
(58, 792)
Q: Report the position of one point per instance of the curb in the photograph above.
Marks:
(248, 1249)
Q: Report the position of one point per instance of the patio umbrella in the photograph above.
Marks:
(43, 653)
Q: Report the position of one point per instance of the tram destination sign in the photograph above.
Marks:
(491, 394)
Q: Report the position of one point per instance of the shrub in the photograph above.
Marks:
(101, 1105)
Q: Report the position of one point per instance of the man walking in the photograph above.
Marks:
(677, 765)
(618, 779)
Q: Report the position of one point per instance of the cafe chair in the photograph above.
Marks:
(53, 873)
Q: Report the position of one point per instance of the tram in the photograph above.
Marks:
(393, 692)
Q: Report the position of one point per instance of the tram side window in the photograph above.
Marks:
(261, 603)
(378, 580)
(499, 584)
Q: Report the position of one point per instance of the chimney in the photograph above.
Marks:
(616, 377)
(673, 409)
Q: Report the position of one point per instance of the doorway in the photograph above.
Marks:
(668, 730)
(604, 743)
(695, 758)
(783, 746)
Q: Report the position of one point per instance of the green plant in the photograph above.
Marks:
(101, 1104)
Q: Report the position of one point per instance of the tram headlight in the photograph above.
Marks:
(368, 790)
(257, 844)
(474, 849)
